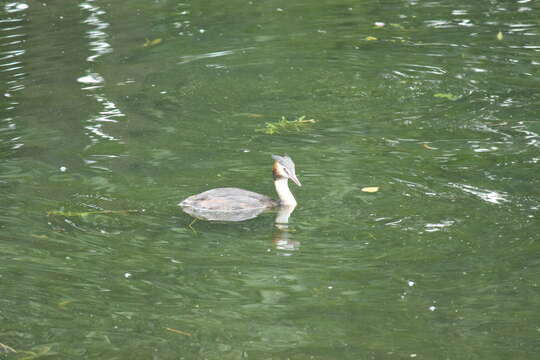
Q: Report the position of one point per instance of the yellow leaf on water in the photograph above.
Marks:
(500, 35)
(371, 38)
(154, 42)
(370, 189)
(426, 146)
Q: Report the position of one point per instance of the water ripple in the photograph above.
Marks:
(98, 44)
(14, 7)
(491, 196)
(94, 81)
(12, 38)
(190, 58)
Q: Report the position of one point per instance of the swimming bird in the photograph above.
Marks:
(234, 204)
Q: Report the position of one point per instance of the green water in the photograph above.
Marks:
(112, 112)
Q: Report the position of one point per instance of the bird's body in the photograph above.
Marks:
(234, 204)
(229, 199)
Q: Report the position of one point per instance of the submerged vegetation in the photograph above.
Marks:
(285, 125)
(86, 213)
(448, 96)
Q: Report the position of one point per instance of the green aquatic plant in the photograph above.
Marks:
(86, 213)
(448, 96)
(284, 125)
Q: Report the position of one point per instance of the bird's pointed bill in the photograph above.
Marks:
(295, 179)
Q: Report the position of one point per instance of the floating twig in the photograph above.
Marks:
(426, 146)
(7, 348)
(178, 331)
(191, 225)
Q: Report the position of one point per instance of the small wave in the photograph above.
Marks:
(491, 196)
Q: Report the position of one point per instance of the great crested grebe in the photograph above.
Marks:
(233, 204)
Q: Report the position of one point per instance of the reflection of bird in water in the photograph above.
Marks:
(233, 204)
(283, 239)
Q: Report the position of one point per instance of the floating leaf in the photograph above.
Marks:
(448, 96)
(426, 146)
(500, 36)
(153, 42)
(286, 125)
(63, 303)
(40, 237)
(371, 38)
(370, 189)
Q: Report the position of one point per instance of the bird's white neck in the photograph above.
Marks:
(285, 195)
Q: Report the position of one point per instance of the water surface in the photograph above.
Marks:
(113, 112)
